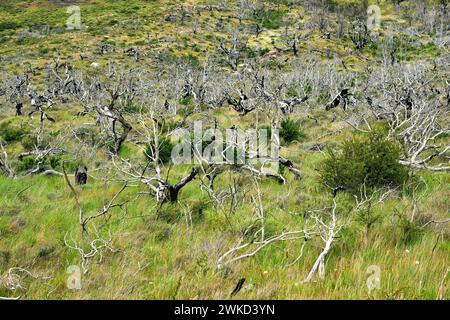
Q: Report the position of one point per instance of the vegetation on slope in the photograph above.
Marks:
(363, 122)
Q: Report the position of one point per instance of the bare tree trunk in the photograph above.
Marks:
(330, 234)
(170, 193)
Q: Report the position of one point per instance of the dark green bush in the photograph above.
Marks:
(263, 51)
(132, 108)
(165, 150)
(187, 101)
(272, 19)
(8, 25)
(369, 159)
(290, 131)
(9, 133)
(55, 162)
(26, 164)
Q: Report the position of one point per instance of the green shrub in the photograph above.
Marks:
(71, 164)
(26, 164)
(29, 142)
(55, 162)
(132, 108)
(198, 208)
(405, 231)
(272, 19)
(263, 51)
(165, 150)
(290, 131)
(187, 101)
(8, 25)
(369, 159)
(9, 133)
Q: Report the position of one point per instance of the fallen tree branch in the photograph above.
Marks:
(4, 161)
(328, 234)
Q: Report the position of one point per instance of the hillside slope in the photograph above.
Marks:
(363, 122)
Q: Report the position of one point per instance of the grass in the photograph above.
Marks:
(156, 254)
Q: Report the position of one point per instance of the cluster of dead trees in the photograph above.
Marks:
(146, 107)
(144, 103)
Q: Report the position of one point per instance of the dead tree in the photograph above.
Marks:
(105, 99)
(290, 166)
(327, 232)
(161, 189)
(253, 238)
(151, 125)
(168, 192)
(62, 81)
(359, 34)
(19, 106)
(414, 113)
(132, 52)
(41, 104)
(4, 162)
(115, 116)
(233, 53)
(195, 83)
(81, 175)
(96, 245)
(421, 150)
(341, 97)
(16, 88)
(239, 104)
(287, 105)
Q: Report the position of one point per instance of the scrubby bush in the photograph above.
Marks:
(29, 142)
(271, 19)
(369, 159)
(70, 165)
(55, 162)
(198, 208)
(406, 231)
(165, 150)
(290, 131)
(131, 108)
(26, 164)
(8, 25)
(9, 133)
